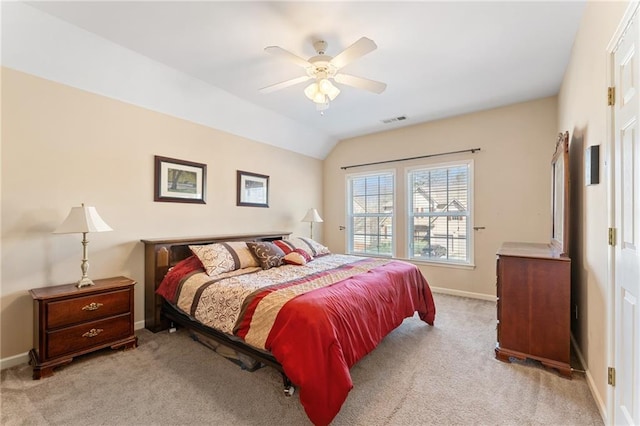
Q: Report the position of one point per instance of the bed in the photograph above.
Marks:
(312, 318)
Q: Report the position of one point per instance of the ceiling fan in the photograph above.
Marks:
(323, 68)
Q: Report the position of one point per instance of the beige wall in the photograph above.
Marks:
(62, 146)
(582, 110)
(512, 181)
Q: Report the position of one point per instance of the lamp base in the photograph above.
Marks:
(84, 282)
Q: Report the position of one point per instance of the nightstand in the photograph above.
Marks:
(71, 321)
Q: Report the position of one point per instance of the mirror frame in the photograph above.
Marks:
(560, 195)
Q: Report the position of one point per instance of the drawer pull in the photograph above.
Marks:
(92, 306)
(93, 332)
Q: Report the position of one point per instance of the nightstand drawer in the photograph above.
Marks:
(70, 321)
(88, 308)
(86, 336)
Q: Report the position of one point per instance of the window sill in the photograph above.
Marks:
(379, 256)
(468, 267)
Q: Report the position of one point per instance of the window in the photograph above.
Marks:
(439, 213)
(370, 206)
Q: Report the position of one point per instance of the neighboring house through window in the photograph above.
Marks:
(370, 212)
(437, 213)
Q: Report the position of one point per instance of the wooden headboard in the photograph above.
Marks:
(160, 254)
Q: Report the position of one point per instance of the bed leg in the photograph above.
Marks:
(289, 389)
(172, 327)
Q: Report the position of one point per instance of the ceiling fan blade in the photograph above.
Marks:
(283, 84)
(353, 52)
(279, 51)
(361, 83)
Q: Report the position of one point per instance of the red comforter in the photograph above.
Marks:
(318, 334)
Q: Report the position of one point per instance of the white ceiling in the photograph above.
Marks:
(439, 59)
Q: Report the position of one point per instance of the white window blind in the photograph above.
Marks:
(370, 204)
(439, 213)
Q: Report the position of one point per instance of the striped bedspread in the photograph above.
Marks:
(317, 320)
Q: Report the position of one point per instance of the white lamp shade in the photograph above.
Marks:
(328, 89)
(312, 216)
(320, 90)
(82, 219)
(311, 91)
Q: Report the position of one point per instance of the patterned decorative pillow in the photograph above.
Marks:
(268, 254)
(243, 257)
(224, 257)
(318, 248)
(297, 257)
(311, 247)
(303, 254)
(286, 248)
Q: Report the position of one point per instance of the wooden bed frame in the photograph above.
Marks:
(160, 254)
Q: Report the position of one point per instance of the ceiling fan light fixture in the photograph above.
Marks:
(324, 85)
(319, 98)
(320, 90)
(311, 90)
(328, 89)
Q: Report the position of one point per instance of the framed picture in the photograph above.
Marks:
(179, 181)
(253, 189)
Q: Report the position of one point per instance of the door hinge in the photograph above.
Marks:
(611, 376)
(612, 236)
(611, 96)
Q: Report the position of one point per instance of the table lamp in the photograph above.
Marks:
(83, 220)
(312, 216)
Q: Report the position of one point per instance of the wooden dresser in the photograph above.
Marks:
(534, 305)
(71, 321)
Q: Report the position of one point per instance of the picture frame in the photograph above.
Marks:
(253, 189)
(179, 181)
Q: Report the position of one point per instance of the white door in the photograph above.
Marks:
(626, 258)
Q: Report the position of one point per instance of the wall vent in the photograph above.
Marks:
(391, 120)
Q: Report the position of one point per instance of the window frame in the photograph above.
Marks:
(409, 215)
(349, 213)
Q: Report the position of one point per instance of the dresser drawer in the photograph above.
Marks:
(85, 336)
(60, 313)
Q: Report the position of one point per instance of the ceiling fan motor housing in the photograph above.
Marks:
(321, 67)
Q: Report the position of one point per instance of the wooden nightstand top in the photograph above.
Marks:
(71, 289)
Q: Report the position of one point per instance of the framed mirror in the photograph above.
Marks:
(560, 195)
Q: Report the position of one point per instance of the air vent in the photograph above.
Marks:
(391, 120)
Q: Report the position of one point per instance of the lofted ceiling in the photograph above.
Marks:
(438, 59)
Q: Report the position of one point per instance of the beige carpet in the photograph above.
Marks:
(419, 375)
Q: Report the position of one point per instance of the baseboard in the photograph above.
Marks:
(602, 407)
(489, 297)
(12, 361)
